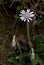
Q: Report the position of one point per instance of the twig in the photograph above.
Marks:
(36, 4)
(13, 2)
(40, 12)
(33, 1)
(18, 44)
(1, 63)
(5, 10)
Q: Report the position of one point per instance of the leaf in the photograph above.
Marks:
(1, 46)
(12, 59)
(42, 63)
(37, 41)
(36, 60)
(22, 60)
(40, 20)
(19, 8)
(16, 16)
(25, 60)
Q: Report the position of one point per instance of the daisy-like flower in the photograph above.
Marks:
(26, 15)
(32, 54)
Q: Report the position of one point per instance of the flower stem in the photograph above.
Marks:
(28, 35)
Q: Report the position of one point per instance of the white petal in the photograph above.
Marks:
(23, 11)
(28, 10)
(30, 19)
(22, 18)
(20, 14)
(31, 15)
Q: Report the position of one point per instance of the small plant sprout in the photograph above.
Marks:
(17, 57)
(26, 15)
(32, 54)
(14, 41)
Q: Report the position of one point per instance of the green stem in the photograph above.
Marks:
(28, 35)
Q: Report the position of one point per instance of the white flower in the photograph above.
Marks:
(26, 15)
(32, 54)
(14, 41)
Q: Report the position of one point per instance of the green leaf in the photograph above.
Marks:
(0, 46)
(36, 60)
(40, 20)
(16, 16)
(42, 63)
(12, 59)
(22, 60)
(25, 60)
(19, 8)
(38, 45)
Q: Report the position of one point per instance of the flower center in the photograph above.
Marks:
(26, 15)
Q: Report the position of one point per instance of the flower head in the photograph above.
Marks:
(26, 15)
